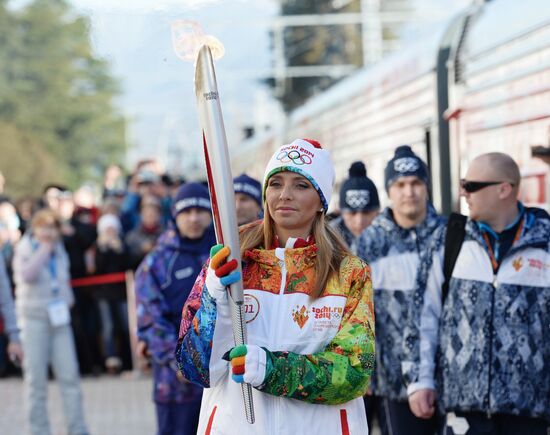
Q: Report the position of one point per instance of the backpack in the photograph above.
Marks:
(456, 231)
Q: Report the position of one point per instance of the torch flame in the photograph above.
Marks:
(188, 38)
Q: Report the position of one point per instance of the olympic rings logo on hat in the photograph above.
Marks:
(357, 199)
(406, 164)
(295, 157)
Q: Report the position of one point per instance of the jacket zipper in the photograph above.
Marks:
(491, 334)
(491, 325)
(513, 249)
(491, 328)
(414, 236)
(282, 263)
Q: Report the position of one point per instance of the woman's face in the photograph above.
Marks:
(46, 232)
(292, 203)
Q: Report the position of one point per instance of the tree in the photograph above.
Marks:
(25, 164)
(54, 90)
(314, 45)
(317, 45)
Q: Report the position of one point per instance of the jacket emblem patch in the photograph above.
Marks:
(300, 315)
(517, 263)
(186, 272)
(251, 307)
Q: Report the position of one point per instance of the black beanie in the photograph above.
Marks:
(358, 192)
(248, 186)
(191, 195)
(405, 163)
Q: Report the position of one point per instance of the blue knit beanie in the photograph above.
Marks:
(191, 195)
(358, 192)
(248, 186)
(405, 163)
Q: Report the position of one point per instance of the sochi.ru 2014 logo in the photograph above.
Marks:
(300, 315)
(328, 313)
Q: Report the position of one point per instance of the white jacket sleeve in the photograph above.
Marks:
(429, 325)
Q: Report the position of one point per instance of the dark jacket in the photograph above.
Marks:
(108, 261)
(76, 246)
(135, 240)
(351, 240)
(163, 283)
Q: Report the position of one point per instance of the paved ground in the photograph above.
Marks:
(113, 406)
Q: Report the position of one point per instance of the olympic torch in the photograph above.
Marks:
(222, 194)
(191, 44)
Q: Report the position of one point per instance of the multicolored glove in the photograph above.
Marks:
(248, 364)
(221, 273)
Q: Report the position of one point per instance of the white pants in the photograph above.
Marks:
(43, 344)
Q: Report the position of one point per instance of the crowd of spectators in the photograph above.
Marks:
(105, 233)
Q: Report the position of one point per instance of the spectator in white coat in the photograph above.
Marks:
(43, 299)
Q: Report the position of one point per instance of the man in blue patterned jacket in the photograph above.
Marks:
(392, 246)
(163, 283)
(486, 351)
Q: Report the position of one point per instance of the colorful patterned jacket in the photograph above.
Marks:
(393, 254)
(320, 353)
(163, 282)
(488, 348)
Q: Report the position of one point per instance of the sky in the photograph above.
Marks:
(158, 99)
(158, 95)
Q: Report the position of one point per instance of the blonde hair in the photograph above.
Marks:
(331, 249)
(45, 216)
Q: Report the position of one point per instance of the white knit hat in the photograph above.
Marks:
(307, 158)
(108, 221)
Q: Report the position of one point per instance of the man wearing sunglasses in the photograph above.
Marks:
(485, 352)
(392, 245)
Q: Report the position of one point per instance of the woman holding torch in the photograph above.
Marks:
(309, 314)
